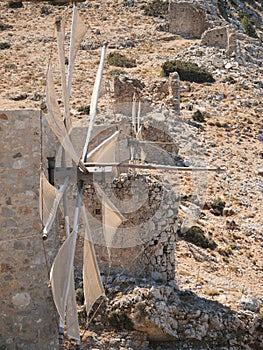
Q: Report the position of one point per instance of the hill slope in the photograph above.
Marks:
(230, 133)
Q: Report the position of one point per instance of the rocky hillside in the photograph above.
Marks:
(215, 300)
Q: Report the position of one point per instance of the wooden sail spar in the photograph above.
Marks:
(90, 166)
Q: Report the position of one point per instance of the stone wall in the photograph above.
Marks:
(215, 37)
(231, 43)
(144, 243)
(187, 19)
(221, 37)
(127, 90)
(28, 317)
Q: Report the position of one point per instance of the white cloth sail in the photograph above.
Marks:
(111, 221)
(112, 218)
(71, 312)
(62, 283)
(92, 284)
(80, 32)
(49, 199)
(104, 152)
(54, 118)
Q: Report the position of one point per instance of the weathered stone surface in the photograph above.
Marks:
(143, 244)
(28, 318)
(21, 300)
(174, 91)
(250, 303)
(232, 43)
(185, 320)
(215, 37)
(187, 19)
(127, 90)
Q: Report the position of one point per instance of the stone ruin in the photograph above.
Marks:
(127, 89)
(221, 37)
(215, 37)
(143, 245)
(187, 19)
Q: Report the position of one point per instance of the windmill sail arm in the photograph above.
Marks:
(94, 102)
(62, 268)
(54, 119)
(61, 54)
(72, 312)
(71, 49)
(152, 166)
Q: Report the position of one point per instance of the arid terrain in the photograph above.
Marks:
(230, 135)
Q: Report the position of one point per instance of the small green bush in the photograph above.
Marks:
(10, 66)
(233, 3)
(117, 72)
(62, 3)
(45, 10)
(226, 251)
(84, 110)
(118, 60)
(120, 320)
(229, 80)
(248, 27)
(140, 310)
(156, 8)
(198, 116)
(188, 71)
(196, 236)
(15, 4)
(218, 206)
(4, 46)
(223, 8)
(5, 26)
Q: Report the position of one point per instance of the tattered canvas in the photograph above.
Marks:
(92, 283)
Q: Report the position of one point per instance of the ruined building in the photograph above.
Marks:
(187, 19)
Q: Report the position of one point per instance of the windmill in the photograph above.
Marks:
(62, 271)
(61, 275)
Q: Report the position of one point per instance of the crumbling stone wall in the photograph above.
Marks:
(28, 317)
(127, 90)
(144, 243)
(215, 37)
(187, 19)
(221, 37)
(231, 43)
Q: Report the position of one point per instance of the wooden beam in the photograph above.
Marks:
(91, 167)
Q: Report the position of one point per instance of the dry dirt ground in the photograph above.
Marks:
(231, 138)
